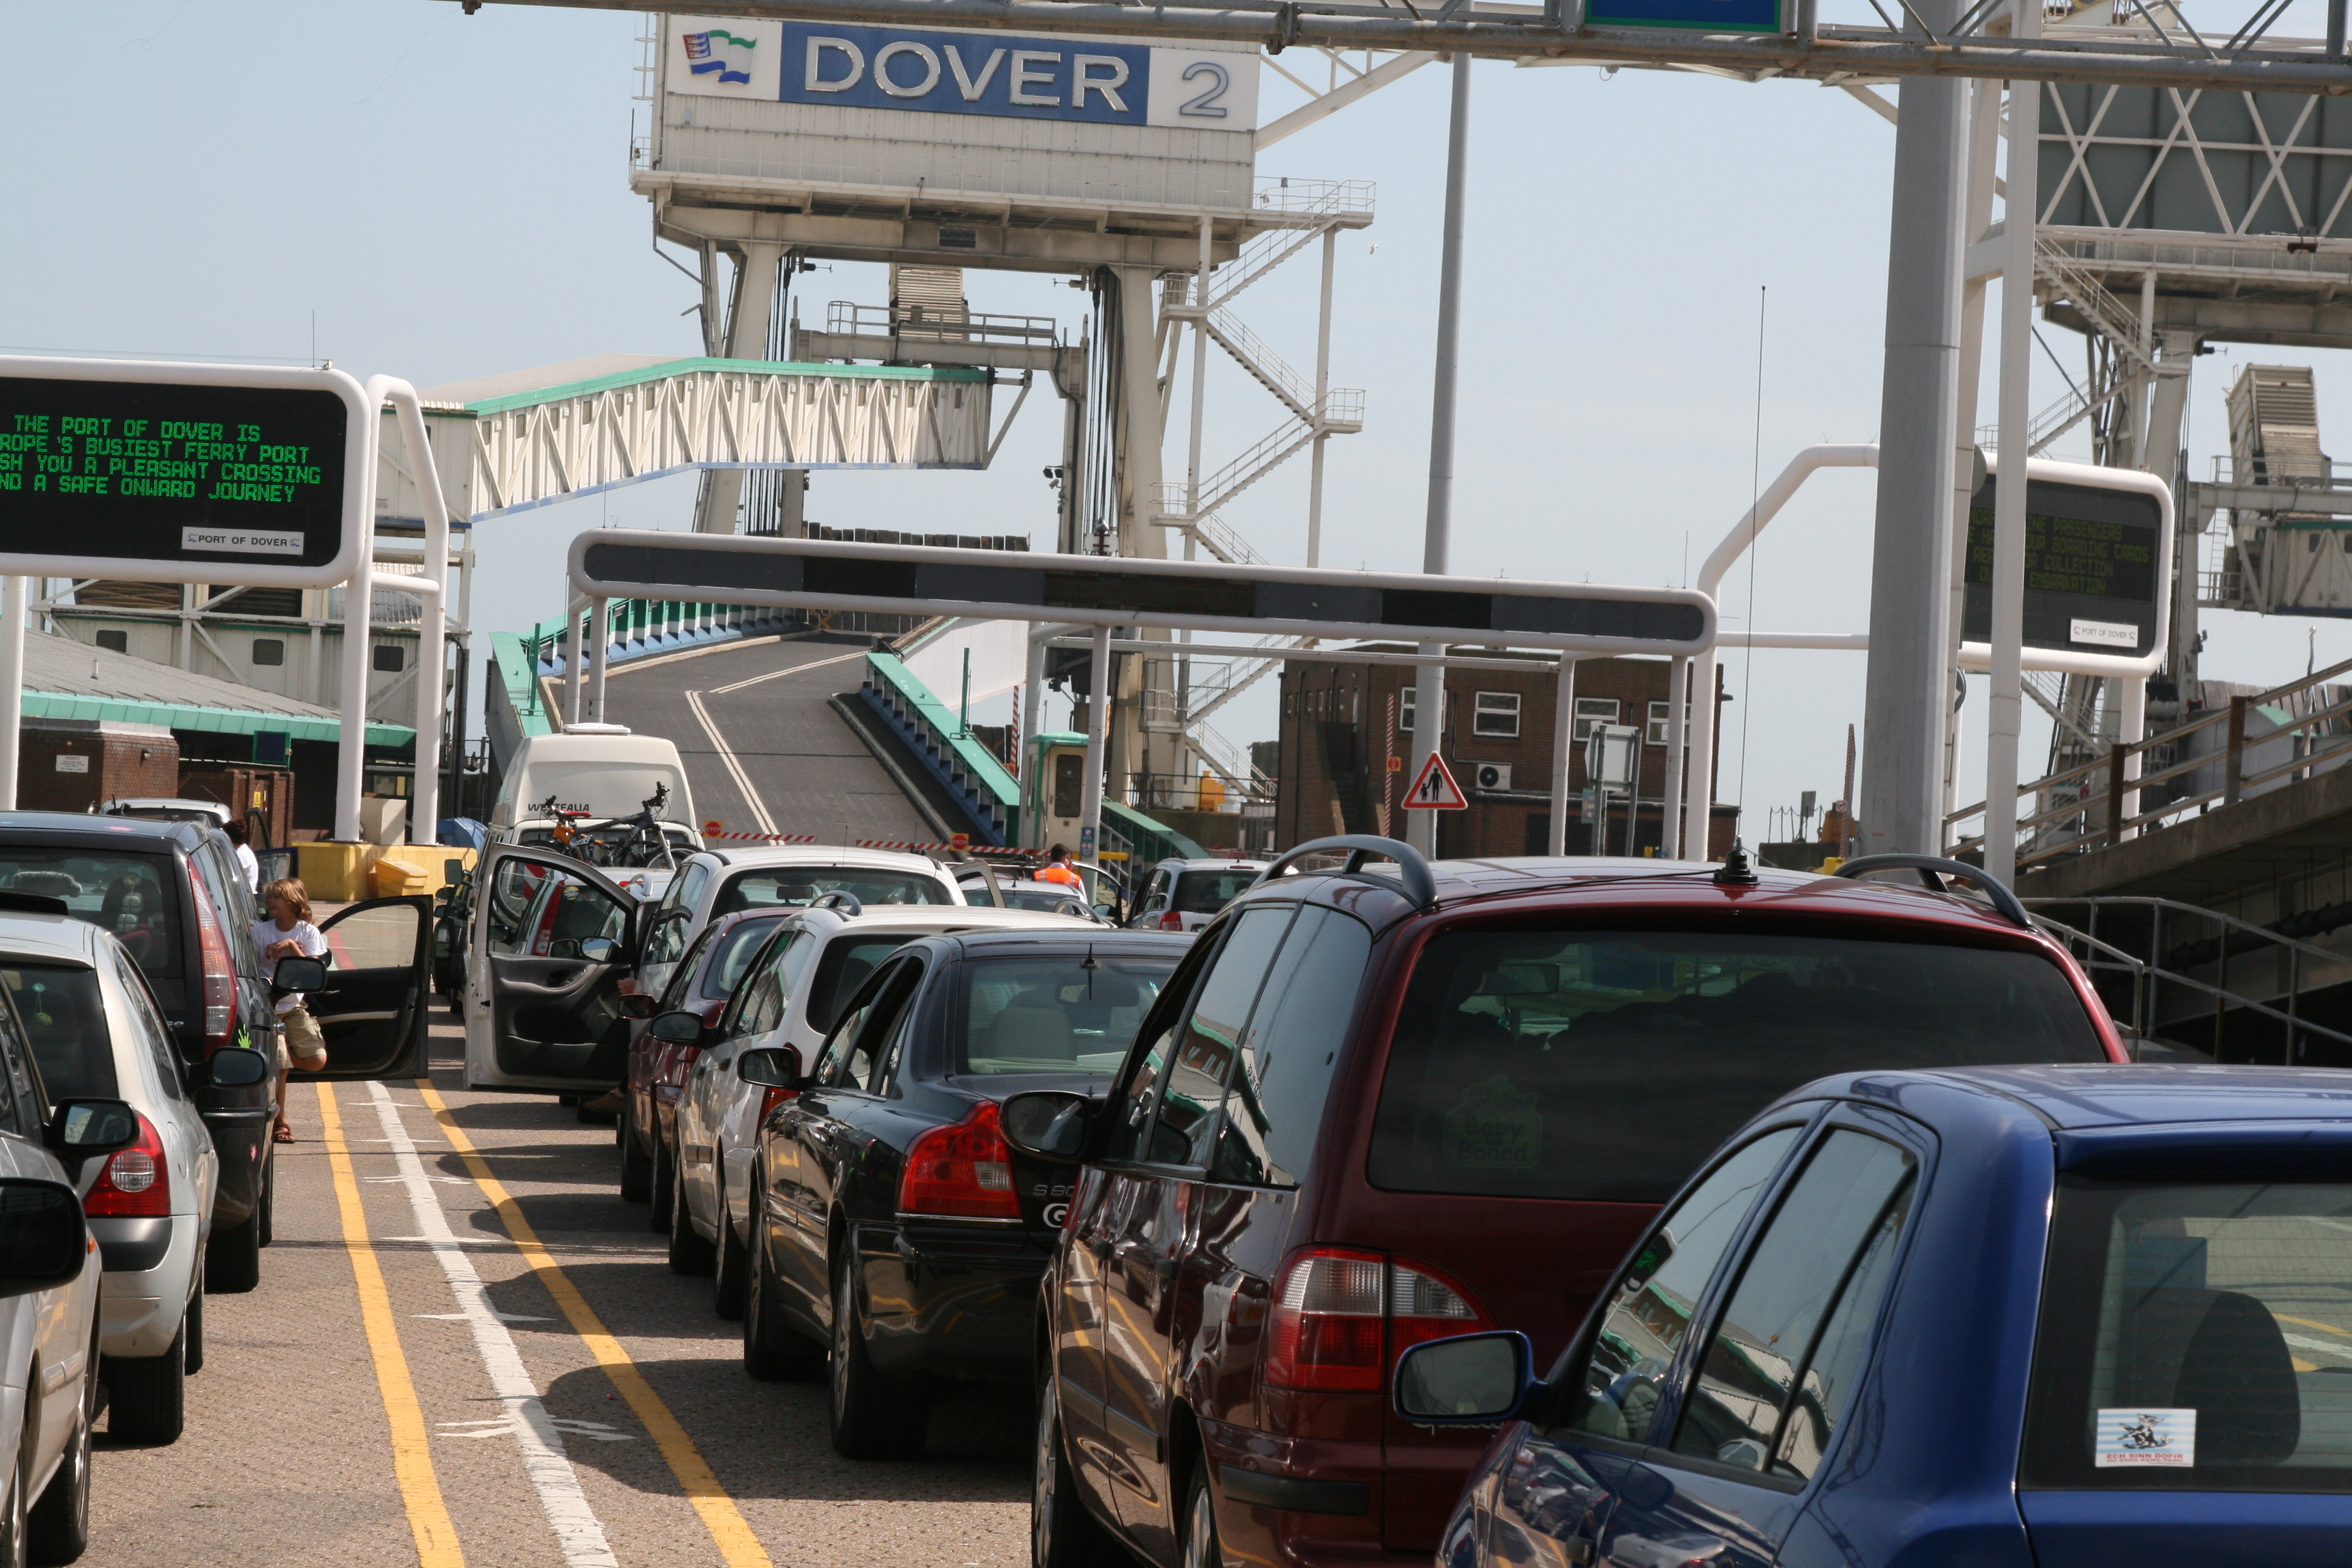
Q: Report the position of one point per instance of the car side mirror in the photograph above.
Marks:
(43, 1242)
(679, 1028)
(91, 1126)
(1047, 1124)
(770, 1066)
(600, 950)
(236, 1069)
(1471, 1380)
(637, 1004)
(301, 974)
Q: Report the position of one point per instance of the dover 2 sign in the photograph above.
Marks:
(180, 473)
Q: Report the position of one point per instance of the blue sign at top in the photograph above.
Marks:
(1687, 15)
(970, 73)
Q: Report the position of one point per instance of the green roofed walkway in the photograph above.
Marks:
(525, 438)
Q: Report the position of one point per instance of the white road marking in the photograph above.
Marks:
(734, 768)
(462, 1318)
(499, 1426)
(2305, 1341)
(796, 669)
(578, 1532)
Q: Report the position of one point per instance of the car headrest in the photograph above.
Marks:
(2236, 1373)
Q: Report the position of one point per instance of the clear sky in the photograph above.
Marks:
(446, 196)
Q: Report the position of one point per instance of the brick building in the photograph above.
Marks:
(1345, 743)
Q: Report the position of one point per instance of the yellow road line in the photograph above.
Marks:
(728, 1528)
(412, 1448)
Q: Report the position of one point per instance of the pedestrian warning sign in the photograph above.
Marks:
(1433, 789)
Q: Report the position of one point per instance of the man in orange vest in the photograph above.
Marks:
(1057, 867)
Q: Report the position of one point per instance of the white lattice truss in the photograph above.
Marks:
(576, 442)
(2293, 170)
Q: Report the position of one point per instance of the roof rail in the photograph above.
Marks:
(1412, 870)
(1933, 870)
(847, 902)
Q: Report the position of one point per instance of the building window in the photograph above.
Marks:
(1661, 714)
(391, 659)
(118, 641)
(1592, 711)
(1408, 700)
(1495, 713)
(269, 650)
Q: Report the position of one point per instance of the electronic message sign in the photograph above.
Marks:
(2096, 559)
(1114, 591)
(181, 473)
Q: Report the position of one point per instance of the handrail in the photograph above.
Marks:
(1412, 870)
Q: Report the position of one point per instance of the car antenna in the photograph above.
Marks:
(1736, 871)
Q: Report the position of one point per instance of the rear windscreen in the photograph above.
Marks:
(737, 947)
(2194, 1337)
(796, 887)
(1606, 1066)
(1206, 892)
(1073, 1014)
(842, 970)
(130, 895)
(67, 1023)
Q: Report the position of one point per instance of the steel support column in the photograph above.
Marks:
(1429, 702)
(747, 338)
(2003, 715)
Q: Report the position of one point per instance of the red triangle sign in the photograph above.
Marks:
(1433, 789)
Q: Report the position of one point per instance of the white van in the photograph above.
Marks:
(600, 769)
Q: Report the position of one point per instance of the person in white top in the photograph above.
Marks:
(288, 933)
(245, 855)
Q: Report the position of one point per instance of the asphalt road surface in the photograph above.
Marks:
(466, 1349)
(763, 751)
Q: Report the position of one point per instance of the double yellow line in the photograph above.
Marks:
(420, 1490)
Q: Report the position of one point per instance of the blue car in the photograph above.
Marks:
(2049, 1317)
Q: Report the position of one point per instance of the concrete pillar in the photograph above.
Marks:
(1904, 704)
(747, 321)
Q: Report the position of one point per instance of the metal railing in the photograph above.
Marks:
(2143, 979)
(2103, 791)
(847, 318)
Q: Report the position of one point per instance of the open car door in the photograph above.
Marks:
(546, 950)
(379, 979)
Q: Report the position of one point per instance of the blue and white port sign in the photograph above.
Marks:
(1091, 81)
(1688, 16)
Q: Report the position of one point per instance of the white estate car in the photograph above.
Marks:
(97, 1034)
(788, 996)
(720, 881)
(1185, 895)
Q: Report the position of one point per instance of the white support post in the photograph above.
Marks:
(1322, 396)
(1563, 752)
(2134, 730)
(14, 606)
(601, 640)
(1098, 727)
(572, 613)
(1032, 717)
(358, 593)
(2003, 716)
(1670, 811)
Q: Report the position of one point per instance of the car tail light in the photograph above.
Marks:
(1171, 921)
(964, 1170)
(135, 1181)
(220, 973)
(1342, 1317)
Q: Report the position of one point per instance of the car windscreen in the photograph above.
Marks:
(1606, 1065)
(1070, 1014)
(2194, 1337)
(846, 961)
(1049, 903)
(66, 1022)
(797, 887)
(1206, 892)
(737, 946)
(133, 895)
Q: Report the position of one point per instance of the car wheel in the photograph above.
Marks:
(233, 1257)
(636, 1165)
(1201, 1549)
(147, 1396)
(727, 1278)
(665, 1179)
(193, 1326)
(688, 1253)
(1062, 1533)
(773, 1351)
(874, 1416)
(57, 1530)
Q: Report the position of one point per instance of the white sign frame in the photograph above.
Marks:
(358, 510)
(1978, 657)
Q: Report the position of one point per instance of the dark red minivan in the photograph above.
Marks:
(1372, 1107)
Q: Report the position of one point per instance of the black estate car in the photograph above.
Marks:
(889, 1219)
(174, 895)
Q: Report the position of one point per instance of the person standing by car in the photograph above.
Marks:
(247, 862)
(1057, 867)
(288, 933)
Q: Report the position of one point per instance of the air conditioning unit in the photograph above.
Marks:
(1494, 775)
